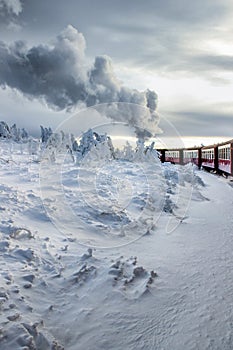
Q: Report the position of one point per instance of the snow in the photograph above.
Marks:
(104, 253)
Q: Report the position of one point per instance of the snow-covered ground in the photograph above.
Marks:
(115, 256)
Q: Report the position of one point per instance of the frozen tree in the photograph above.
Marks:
(74, 143)
(94, 142)
(128, 152)
(88, 140)
(45, 134)
(4, 130)
(24, 134)
(140, 150)
(15, 133)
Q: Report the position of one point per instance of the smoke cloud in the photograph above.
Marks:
(58, 74)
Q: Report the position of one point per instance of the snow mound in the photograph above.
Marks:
(113, 199)
(21, 233)
(131, 280)
(56, 292)
(22, 336)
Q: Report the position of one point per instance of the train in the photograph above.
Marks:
(217, 158)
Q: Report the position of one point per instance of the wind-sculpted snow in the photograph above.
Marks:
(117, 200)
(54, 292)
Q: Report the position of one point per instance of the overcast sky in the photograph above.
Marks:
(181, 49)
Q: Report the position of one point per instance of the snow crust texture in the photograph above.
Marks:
(118, 276)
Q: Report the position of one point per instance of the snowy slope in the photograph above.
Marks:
(151, 287)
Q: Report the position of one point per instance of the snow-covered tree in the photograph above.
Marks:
(99, 145)
(13, 133)
(45, 134)
(4, 130)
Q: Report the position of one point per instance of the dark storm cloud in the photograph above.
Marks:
(58, 74)
(202, 120)
(209, 67)
(166, 38)
(160, 35)
(115, 13)
(222, 62)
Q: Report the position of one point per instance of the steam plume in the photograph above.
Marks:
(59, 75)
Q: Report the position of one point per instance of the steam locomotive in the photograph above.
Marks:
(218, 158)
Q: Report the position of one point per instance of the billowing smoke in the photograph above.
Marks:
(55, 73)
(59, 75)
